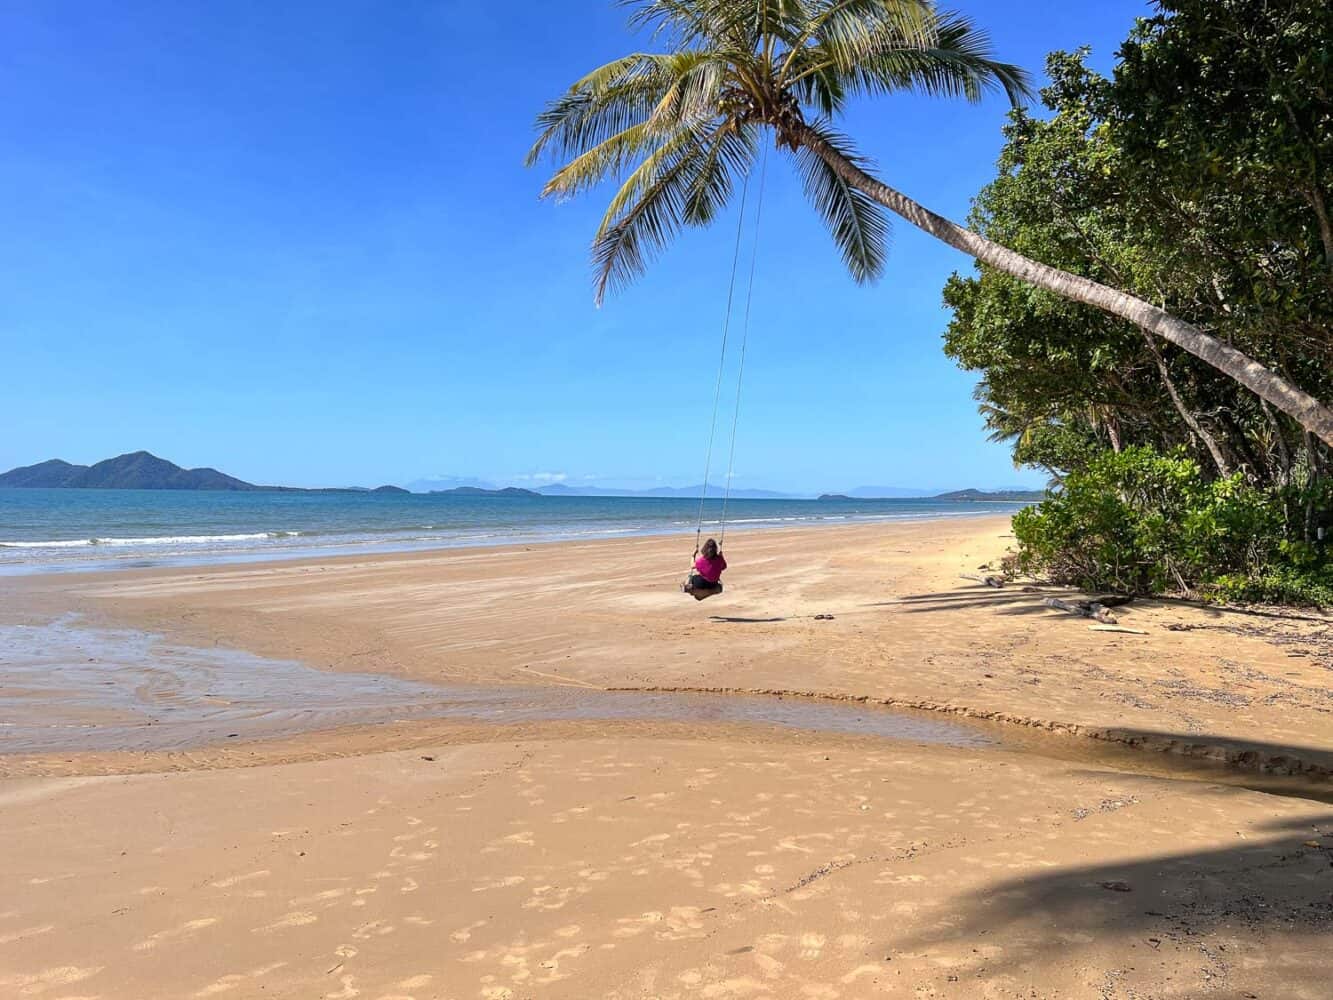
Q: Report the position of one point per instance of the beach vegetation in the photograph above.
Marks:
(1141, 522)
(1197, 175)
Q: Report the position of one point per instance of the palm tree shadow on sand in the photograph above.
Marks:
(1275, 894)
(1006, 601)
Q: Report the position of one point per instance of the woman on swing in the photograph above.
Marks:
(706, 580)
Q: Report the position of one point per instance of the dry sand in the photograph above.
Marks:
(438, 860)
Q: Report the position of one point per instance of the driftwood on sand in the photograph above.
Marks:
(990, 580)
(1087, 609)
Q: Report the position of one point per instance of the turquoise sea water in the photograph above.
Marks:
(90, 529)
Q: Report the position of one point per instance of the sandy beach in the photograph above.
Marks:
(1063, 854)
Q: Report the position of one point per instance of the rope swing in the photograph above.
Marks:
(722, 358)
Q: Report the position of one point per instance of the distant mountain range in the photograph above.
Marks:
(665, 492)
(973, 496)
(140, 470)
(143, 471)
(959, 496)
(693, 492)
(478, 491)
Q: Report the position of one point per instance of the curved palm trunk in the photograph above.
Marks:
(1299, 405)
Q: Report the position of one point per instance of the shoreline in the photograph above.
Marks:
(319, 558)
(362, 543)
(1234, 749)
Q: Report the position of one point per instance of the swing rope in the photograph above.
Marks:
(722, 359)
(745, 338)
(721, 363)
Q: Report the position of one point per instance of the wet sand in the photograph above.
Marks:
(69, 689)
(647, 858)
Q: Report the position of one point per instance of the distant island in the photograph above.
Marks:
(960, 496)
(1011, 496)
(141, 470)
(477, 491)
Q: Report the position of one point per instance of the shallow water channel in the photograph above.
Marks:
(67, 688)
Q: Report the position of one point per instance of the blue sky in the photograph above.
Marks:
(296, 241)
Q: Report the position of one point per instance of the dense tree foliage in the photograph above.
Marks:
(1198, 177)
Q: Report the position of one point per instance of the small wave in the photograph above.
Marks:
(72, 543)
(774, 520)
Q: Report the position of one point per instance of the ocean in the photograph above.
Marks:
(45, 530)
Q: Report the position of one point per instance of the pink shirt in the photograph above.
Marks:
(710, 569)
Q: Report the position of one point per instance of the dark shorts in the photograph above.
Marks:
(699, 583)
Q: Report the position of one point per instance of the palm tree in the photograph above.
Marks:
(678, 128)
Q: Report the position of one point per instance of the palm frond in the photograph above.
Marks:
(648, 175)
(730, 154)
(579, 120)
(607, 159)
(615, 97)
(646, 213)
(848, 31)
(687, 22)
(817, 83)
(958, 61)
(688, 182)
(857, 223)
(692, 96)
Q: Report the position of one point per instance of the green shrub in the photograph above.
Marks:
(1278, 585)
(1146, 523)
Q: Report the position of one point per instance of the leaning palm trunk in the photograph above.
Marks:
(1267, 385)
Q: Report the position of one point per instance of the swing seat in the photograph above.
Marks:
(701, 592)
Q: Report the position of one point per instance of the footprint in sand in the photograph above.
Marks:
(189, 927)
(552, 964)
(769, 965)
(348, 991)
(548, 897)
(400, 854)
(812, 946)
(227, 983)
(39, 982)
(299, 918)
(376, 928)
(504, 883)
(320, 897)
(859, 971)
(27, 932)
(634, 926)
(464, 934)
(227, 883)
